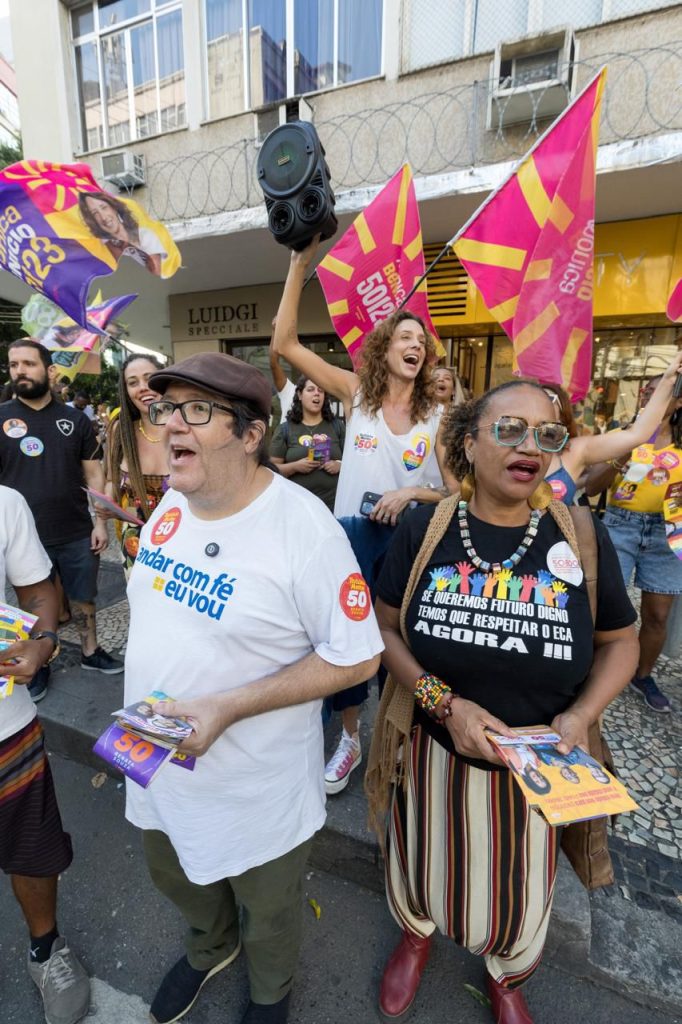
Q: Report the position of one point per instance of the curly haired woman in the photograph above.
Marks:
(392, 449)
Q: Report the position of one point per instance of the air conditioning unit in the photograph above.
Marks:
(124, 169)
(531, 79)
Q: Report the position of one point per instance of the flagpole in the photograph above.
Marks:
(428, 270)
(491, 196)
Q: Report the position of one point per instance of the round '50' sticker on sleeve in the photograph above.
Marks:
(166, 526)
(354, 597)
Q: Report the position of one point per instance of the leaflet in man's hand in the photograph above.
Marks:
(15, 624)
(134, 755)
(138, 752)
(561, 787)
(140, 718)
(110, 506)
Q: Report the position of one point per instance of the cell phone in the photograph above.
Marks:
(677, 389)
(369, 500)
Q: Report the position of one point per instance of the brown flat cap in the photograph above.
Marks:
(220, 373)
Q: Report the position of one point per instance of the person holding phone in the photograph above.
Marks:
(392, 449)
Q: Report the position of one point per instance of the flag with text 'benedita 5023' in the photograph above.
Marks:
(529, 249)
(59, 230)
(368, 273)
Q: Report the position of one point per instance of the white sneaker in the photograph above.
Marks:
(63, 984)
(348, 756)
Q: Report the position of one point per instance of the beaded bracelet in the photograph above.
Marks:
(430, 690)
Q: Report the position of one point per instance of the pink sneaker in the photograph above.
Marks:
(348, 756)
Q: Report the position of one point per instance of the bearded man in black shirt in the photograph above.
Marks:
(49, 452)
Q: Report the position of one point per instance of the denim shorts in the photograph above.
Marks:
(641, 545)
(77, 566)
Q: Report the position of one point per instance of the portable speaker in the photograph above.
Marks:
(294, 177)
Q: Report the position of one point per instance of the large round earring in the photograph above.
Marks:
(467, 486)
(541, 496)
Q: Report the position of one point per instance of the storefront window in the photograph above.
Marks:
(129, 69)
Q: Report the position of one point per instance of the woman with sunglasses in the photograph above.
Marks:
(579, 452)
(497, 634)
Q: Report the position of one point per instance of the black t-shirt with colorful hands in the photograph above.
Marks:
(519, 643)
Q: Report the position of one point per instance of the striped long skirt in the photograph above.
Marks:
(467, 856)
(32, 840)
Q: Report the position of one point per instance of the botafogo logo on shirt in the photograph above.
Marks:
(181, 582)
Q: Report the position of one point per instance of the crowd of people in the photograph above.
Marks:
(299, 570)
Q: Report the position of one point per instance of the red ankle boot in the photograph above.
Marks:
(402, 974)
(508, 1004)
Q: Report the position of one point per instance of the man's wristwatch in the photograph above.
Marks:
(47, 633)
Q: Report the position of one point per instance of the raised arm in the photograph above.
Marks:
(616, 444)
(279, 377)
(342, 384)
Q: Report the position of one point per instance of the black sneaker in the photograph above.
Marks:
(38, 685)
(274, 1013)
(179, 989)
(653, 697)
(100, 661)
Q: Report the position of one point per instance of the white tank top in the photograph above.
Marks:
(377, 460)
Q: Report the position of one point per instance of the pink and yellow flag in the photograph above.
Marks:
(529, 249)
(368, 273)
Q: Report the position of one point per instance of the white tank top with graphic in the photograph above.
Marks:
(377, 460)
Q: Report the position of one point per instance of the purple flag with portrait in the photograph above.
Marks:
(59, 231)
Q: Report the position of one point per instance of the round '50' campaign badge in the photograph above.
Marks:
(32, 446)
(354, 597)
(166, 526)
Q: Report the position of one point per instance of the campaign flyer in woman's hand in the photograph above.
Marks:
(561, 787)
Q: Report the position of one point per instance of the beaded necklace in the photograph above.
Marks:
(508, 563)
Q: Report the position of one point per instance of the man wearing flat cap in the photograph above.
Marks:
(250, 586)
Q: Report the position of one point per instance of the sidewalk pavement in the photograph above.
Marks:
(626, 937)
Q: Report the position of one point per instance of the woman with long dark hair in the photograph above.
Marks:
(137, 466)
(307, 447)
(639, 482)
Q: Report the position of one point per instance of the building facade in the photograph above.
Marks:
(460, 90)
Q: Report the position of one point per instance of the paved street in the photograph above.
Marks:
(127, 935)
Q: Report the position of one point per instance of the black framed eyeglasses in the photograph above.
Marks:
(511, 431)
(196, 412)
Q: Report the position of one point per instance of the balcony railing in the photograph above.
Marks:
(435, 132)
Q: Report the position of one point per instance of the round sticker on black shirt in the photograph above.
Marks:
(15, 428)
(563, 563)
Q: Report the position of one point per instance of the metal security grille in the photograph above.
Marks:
(435, 31)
